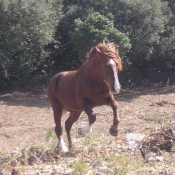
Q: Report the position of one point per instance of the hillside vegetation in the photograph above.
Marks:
(40, 38)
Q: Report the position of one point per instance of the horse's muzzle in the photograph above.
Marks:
(115, 86)
(115, 90)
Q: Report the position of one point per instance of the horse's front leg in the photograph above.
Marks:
(91, 116)
(115, 127)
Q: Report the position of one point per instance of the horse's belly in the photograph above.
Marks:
(98, 99)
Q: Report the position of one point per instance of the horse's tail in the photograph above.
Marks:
(52, 88)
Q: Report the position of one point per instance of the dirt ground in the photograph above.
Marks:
(25, 118)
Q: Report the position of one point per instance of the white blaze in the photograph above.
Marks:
(116, 83)
(112, 62)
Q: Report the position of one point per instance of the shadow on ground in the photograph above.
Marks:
(129, 95)
(39, 99)
(28, 99)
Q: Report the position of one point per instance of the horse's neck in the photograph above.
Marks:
(92, 73)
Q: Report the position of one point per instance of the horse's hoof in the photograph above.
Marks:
(63, 148)
(79, 131)
(112, 132)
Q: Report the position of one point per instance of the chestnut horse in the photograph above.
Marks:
(93, 84)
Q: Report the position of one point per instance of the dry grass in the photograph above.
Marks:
(28, 142)
(91, 155)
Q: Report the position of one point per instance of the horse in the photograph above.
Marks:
(92, 85)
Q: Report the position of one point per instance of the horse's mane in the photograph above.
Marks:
(109, 49)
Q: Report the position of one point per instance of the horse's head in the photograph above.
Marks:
(108, 63)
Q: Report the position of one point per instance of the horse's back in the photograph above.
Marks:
(52, 88)
(63, 89)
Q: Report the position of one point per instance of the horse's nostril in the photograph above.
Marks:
(113, 89)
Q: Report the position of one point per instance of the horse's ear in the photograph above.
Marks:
(93, 52)
(116, 48)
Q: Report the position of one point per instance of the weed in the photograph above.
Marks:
(173, 147)
(119, 164)
(50, 134)
(4, 157)
(88, 139)
(80, 168)
(155, 118)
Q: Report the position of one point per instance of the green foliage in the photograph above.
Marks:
(41, 37)
(144, 22)
(94, 30)
(26, 28)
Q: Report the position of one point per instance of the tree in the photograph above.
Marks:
(94, 30)
(67, 58)
(144, 22)
(26, 28)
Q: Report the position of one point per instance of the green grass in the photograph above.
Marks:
(80, 168)
(50, 134)
(156, 118)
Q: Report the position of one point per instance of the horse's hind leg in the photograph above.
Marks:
(69, 122)
(57, 112)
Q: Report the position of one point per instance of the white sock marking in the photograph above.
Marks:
(63, 146)
(86, 129)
